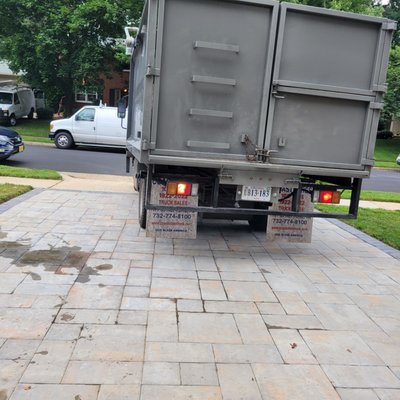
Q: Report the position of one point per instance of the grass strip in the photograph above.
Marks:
(29, 173)
(35, 139)
(8, 191)
(381, 224)
(391, 197)
(386, 152)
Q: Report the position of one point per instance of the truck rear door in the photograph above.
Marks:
(211, 72)
(327, 88)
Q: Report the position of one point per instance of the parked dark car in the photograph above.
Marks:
(10, 143)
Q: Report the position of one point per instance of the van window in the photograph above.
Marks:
(86, 115)
(16, 99)
(5, 98)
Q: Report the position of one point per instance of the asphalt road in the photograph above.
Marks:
(81, 159)
(383, 180)
(112, 162)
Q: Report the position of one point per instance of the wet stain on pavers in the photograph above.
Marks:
(13, 250)
(67, 317)
(3, 235)
(85, 275)
(35, 277)
(55, 259)
(104, 267)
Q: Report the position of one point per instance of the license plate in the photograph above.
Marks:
(21, 149)
(256, 193)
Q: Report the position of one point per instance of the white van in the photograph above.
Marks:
(16, 101)
(90, 126)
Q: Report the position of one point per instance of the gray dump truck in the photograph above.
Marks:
(245, 104)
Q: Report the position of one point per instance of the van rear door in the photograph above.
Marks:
(84, 126)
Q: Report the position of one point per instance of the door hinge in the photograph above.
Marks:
(148, 146)
(389, 26)
(375, 106)
(151, 71)
(380, 88)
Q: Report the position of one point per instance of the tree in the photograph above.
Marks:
(63, 45)
(392, 11)
(368, 7)
(392, 97)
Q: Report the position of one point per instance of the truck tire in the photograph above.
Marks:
(258, 223)
(142, 198)
(30, 115)
(63, 140)
(12, 120)
(134, 172)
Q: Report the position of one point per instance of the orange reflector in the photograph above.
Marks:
(329, 197)
(336, 197)
(184, 189)
(179, 188)
(172, 188)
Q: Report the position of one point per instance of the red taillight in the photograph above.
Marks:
(329, 197)
(179, 188)
(325, 197)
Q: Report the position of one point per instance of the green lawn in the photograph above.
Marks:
(33, 130)
(392, 197)
(386, 152)
(29, 173)
(381, 224)
(9, 191)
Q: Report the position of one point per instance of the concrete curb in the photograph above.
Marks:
(20, 199)
(40, 144)
(367, 239)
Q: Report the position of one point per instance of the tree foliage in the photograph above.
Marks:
(392, 98)
(368, 7)
(63, 45)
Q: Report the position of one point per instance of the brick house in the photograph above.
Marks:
(114, 89)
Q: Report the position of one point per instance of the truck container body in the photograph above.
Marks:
(255, 94)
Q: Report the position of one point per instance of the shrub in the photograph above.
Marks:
(384, 135)
(44, 113)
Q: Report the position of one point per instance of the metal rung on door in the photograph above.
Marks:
(216, 46)
(210, 113)
(213, 80)
(209, 145)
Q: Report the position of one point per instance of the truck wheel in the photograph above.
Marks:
(134, 172)
(258, 222)
(12, 120)
(142, 200)
(63, 140)
(30, 115)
